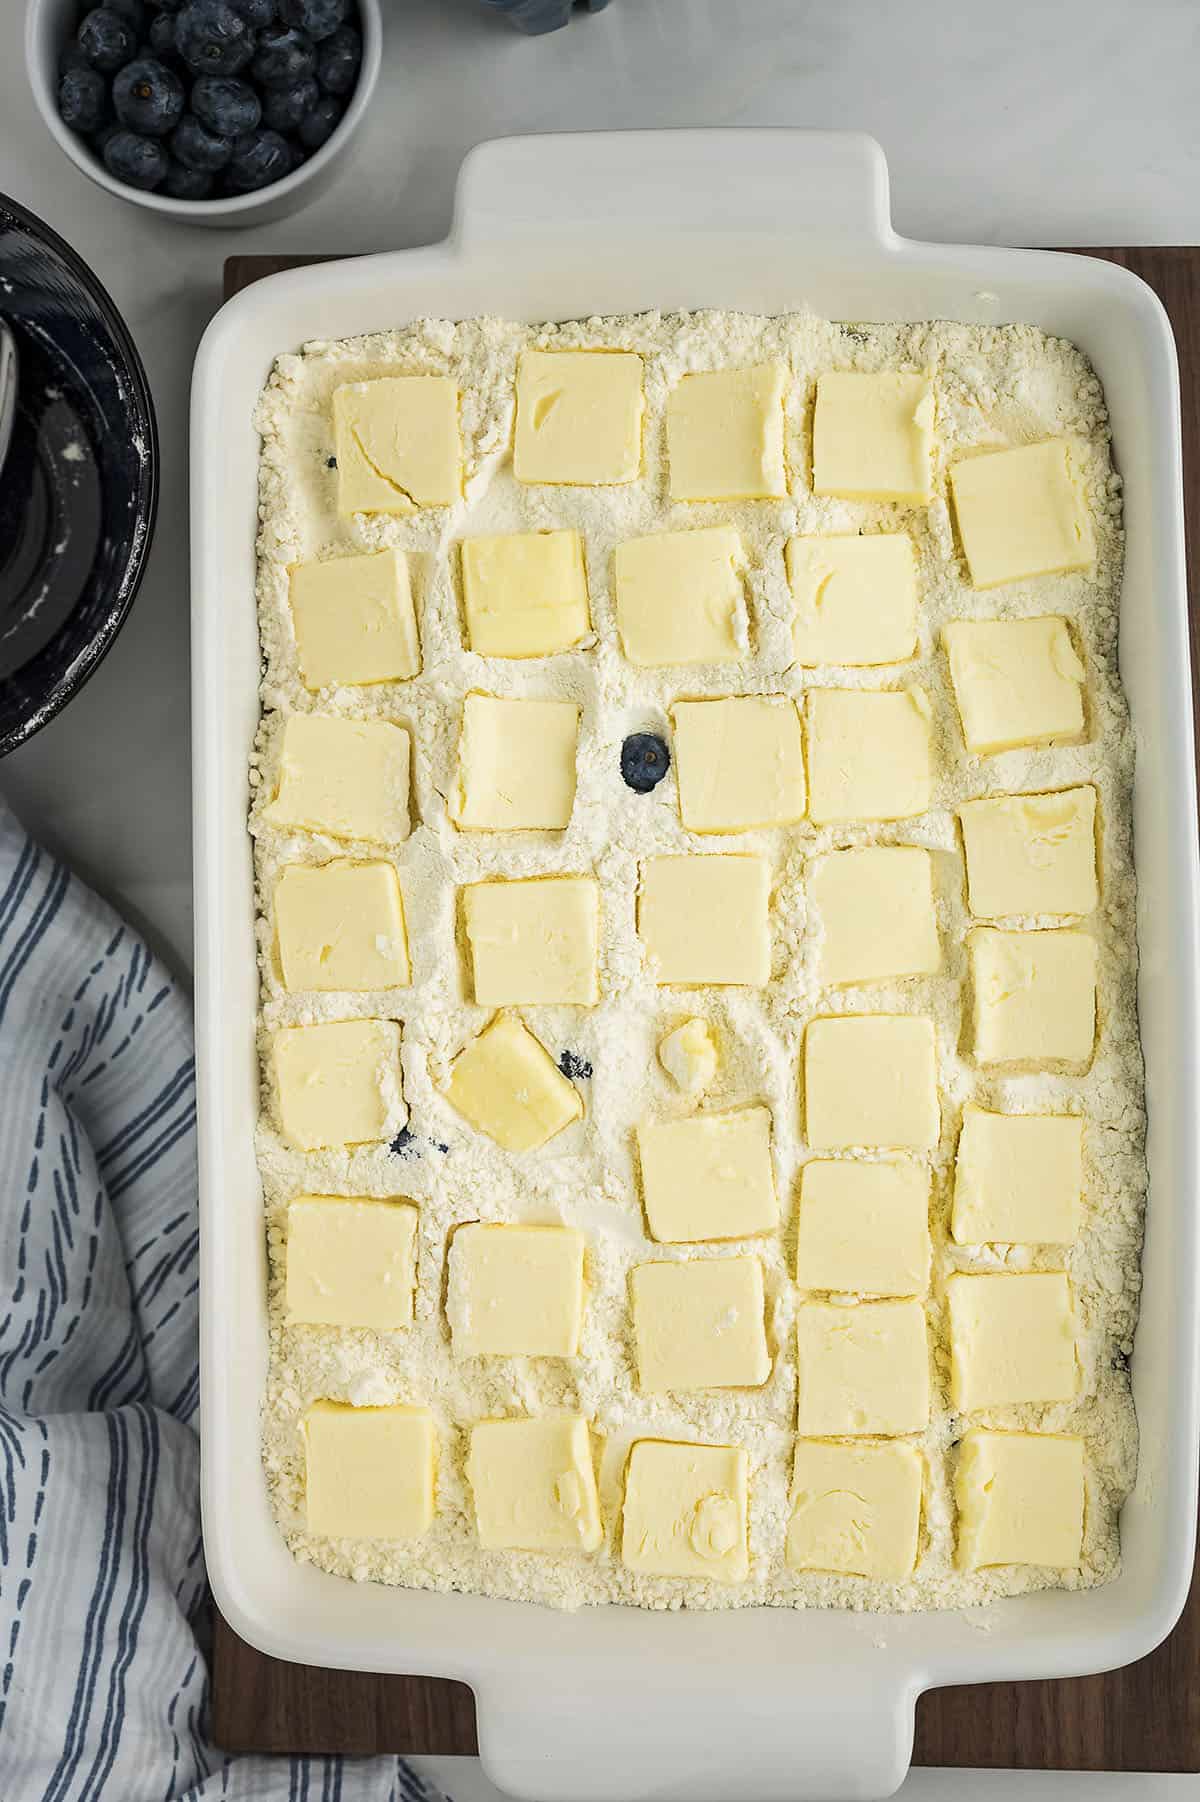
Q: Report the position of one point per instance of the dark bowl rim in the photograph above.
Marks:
(125, 593)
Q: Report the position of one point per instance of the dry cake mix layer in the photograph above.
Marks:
(720, 1187)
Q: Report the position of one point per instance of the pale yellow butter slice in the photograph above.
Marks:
(700, 1324)
(506, 1083)
(1020, 1500)
(725, 435)
(739, 763)
(516, 765)
(855, 1509)
(871, 1080)
(688, 1054)
(1018, 1179)
(398, 444)
(868, 754)
(862, 1369)
(1016, 682)
(346, 778)
(855, 599)
(704, 920)
(1034, 996)
(341, 926)
(679, 597)
(864, 1228)
(525, 593)
(516, 1291)
(876, 913)
(534, 1485)
(708, 1177)
(369, 1471)
(1021, 513)
(533, 940)
(1012, 1339)
(354, 620)
(1031, 854)
(685, 1511)
(338, 1083)
(873, 436)
(579, 417)
(351, 1263)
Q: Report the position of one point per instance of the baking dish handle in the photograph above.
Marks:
(699, 1736)
(831, 185)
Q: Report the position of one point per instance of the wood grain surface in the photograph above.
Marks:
(1143, 1718)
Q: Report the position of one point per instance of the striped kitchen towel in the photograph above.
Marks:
(103, 1599)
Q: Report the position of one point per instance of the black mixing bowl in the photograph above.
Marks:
(79, 487)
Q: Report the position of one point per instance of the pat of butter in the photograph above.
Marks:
(855, 599)
(534, 1485)
(351, 1263)
(1034, 996)
(725, 435)
(700, 1324)
(876, 912)
(856, 1509)
(689, 1056)
(1012, 1339)
(579, 417)
(516, 1291)
(864, 1228)
(739, 763)
(341, 926)
(525, 593)
(338, 1083)
(346, 778)
(708, 1177)
(1020, 1500)
(685, 1511)
(354, 620)
(1016, 682)
(862, 1369)
(1018, 1179)
(1021, 513)
(533, 940)
(868, 754)
(506, 1083)
(369, 1471)
(873, 436)
(871, 1079)
(1031, 854)
(679, 597)
(704, 920)
(516, 765)
(398, 446)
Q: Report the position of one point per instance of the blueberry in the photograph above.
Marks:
(285, 107)
(198, 148)
(404, 1145)
(182, 183)
(134, 11)
(148, 97)
(319, 124)
(259, 158)
(100, 139)
(575, 1068)
(71, 57)
(162, 35)
(320, 18)
(212, 38)
(283, 55)
(138, 162)
(106, 39)
(83, 99)
(225, 104)
(645, 760)
(256, 13)
(339, 60)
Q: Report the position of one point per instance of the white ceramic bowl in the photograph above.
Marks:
(48, 25)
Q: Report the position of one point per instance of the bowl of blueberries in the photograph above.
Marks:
(218, 112)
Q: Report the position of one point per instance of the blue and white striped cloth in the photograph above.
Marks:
(103, 1599)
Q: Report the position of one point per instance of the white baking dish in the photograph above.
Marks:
(616, 1703)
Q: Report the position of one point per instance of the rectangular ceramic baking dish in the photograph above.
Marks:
(616, 1704)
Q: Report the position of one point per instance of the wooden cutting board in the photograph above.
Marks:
(1143, 1718)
